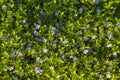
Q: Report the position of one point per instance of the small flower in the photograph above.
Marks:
(71, 24)
(81, 10)
(96, 1)
(109, 32)
(97, 75)
(35, 33)
(109, 45)
(39, 23)
(19, 53)
(11, 68)
(56, 14)
(22, 73)
(107, 62)
(108, 76)
(11, 38)
(80, 49)
(15, 78)
(38, 70)
(95, 29)
(110, 37)
(65, 42)
(90, 50)
(114, 53)
(58, 76)
(4, 6)
(118, 24)
(60, 39)
(57, 24)
(86, 38)
(75, 15)
(36, 38)
(88, 26)
(115, 60)
(23, 21)
(37, 26)
(45, 51)
(41, 12)
(108, 24)
(98, 11)
(79, 32)
(38, 58)
(74, 58)
(110, 69)
(94, 37)
(28, 48)
(51, 67)
(85, 51)
(55, 31)
(62, 56)
(43, 40)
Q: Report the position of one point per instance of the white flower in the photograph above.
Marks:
(19, 53)
(45, 51)
(51, 67)
(74, 58)
(65, 42)
(44, 40)
(108, 24)
(85, 51)
(4, 6)
(95, 29)
(108, 76)
(11, 68)
(109, 32)
(38, 58)
(114, 53)
(94, 37)
(75, 15)
(80, 32)
(58, 76)
(109, 45)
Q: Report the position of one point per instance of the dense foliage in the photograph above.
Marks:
(59, 39)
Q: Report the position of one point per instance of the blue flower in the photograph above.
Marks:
(37, 26)
(23, 21)
(86, 38)
(35, 33)
(38, 70)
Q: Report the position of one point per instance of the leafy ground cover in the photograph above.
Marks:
(59, 39)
